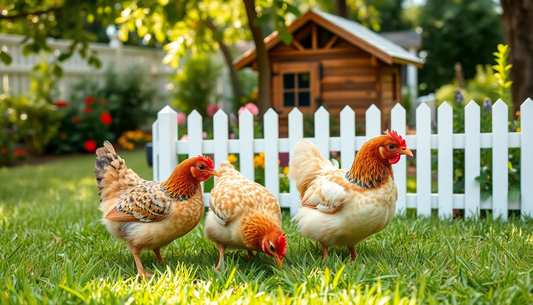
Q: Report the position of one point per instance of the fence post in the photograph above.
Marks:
(246, 144)
(322, 131)
(472, 159)
(372, 122)
(398, 121)
(526, 163)
(500, 158)
(423, 160)
(167, 134)
(296, 133)
(271, 128)
(347, 137)
(445, 160)
(220, 137)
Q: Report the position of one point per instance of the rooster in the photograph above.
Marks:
(149, 214)
(340, 207)
(244, 215)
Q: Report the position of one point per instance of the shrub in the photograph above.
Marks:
(194, 84)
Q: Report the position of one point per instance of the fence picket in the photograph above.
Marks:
(296, 133)
(168, 135)
(526, 168)
(423, 160)
(195, 130)
(472, 159)
(322, 131)
(155, 150)
(271, 128)
(246, 143)
(445, 160)
(373, 122)
(500, 153)
(220, 137)
(347, 137)
(400, 169)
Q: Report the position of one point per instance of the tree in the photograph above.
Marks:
(464, 31)
(518, 24)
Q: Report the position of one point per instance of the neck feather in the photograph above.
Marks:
(181, 182)
(256, 227)
(369, 169)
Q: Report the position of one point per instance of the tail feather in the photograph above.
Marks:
(112, 176)
(306, 164)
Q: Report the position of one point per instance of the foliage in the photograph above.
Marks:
(130, 139)
(502, 74)
(8, 129)
(195, 83)
(462, 31)
(55, 250)
(86, 124)
(482, 86)
(491, 85)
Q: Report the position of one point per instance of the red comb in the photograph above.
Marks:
(396, 136)
(282, 244)
(208, 161)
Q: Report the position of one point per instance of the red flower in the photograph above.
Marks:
(87, 110)
(89, 100)
(76, 120)
(61, 104)
(63, 135)
(90, 146)
(106, 118)
(20, 152)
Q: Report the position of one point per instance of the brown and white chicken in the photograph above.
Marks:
(149, 214)
(244, 215)
(340, 207)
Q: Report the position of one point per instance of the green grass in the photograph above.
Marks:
(55, 250)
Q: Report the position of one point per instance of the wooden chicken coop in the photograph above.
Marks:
(333, 62)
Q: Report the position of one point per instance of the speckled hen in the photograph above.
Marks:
(244, 215)
(340, 207)
(148, 214)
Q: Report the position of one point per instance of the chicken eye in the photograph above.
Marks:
(391, 146)
(272, 248)
(201, 167)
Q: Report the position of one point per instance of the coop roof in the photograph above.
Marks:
(348, 30)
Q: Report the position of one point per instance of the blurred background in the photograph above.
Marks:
(74, 73)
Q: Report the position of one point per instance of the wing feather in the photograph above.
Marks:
(327, 193)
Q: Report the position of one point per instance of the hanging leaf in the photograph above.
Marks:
(5, 58)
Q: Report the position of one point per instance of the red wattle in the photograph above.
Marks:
(394, 159)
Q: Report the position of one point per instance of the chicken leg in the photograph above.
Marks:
(250, 255)
(325, 253)
(353, 252)
(158, 256)
(140, 269)
(221, 248)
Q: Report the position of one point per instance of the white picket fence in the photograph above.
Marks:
(166, 147)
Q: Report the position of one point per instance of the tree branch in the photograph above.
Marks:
(25, 15)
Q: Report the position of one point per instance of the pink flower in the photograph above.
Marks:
(251, 107)
(232, 135)
(181, 118)
(184, 138)
(204, 134)
(212, 109)
(336, 154)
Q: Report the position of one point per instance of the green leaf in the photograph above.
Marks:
(293, 9)
(285, 36)
(58, 72)
(514, 193)
(27, 49)
(264, 18)
(64, 56)
(5, 58)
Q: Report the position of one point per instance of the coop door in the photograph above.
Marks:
(296, 85)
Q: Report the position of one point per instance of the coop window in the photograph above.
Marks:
(297, 89)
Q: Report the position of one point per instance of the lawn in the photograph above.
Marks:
(55, 250)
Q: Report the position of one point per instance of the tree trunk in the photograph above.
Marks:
(261, 58)
(341, 9)
(235, 85)
(517, 25)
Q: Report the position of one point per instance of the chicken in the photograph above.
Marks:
(148, 214)
(244, 215)
(340, 207)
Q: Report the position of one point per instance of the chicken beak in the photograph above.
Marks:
(280, 262)
(406, 151)
(214, 173)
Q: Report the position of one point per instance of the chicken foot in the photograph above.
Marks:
(250, 255)
(140, 269)
(158, 256)
(221, 248)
